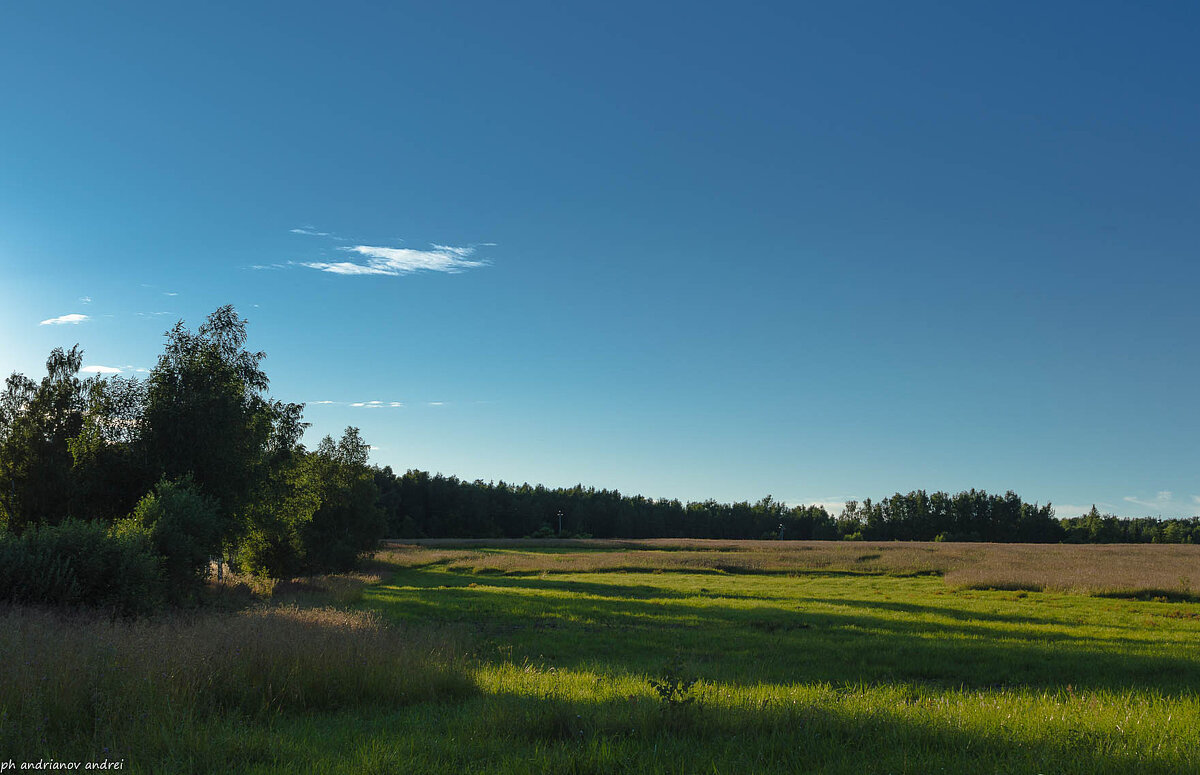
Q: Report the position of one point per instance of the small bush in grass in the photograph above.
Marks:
(674, 689)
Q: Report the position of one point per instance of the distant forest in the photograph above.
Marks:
(420, 505)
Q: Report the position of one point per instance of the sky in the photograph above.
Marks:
(696, 250)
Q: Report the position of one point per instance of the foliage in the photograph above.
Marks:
(972, 515)
(271, 544)
(232, 478)
(1096, 528)
(184, 527)
(78, 563)
(207, 416)
(418, 504)
(421, 505)
(320, 514)
(674, 690)
(110, 467)
(37, 421)
(348, 522)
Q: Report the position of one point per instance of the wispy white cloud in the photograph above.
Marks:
(85, 299)
(152, 314)
(394, 262)
(100, 370)
(1165, 503)
(376, 404)
(310, 232)
(1161, 498)
(72, 318)
(436, 403)
(267, 266)
(170, 293)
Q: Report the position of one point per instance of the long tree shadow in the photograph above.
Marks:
(769, 642)
(920, 609)
(461, 578)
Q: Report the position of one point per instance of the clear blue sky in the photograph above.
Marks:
(690, 251)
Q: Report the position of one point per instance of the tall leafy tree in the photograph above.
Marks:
(349, 522)
(207, 416)
(112, 470)
(37, 422)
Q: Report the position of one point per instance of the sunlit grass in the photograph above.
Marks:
(518, 660)
(81, 684)
(836, 672)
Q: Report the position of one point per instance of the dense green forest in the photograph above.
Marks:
(150, 479)
(420, 505)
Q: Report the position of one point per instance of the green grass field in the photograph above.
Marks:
(788, 668)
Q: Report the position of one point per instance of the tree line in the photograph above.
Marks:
(420, 505)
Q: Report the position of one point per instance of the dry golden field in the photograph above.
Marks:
(1171, 570)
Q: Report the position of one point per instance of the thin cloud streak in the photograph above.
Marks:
(1164, 502)
(72, 319)
(95, 369)
(1161, 498)
(395, 262)
(360, 404)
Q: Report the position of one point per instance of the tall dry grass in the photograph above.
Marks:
(1171, 570)
(238, 590)
(685, 555)
(1125, 570)
(85, 682)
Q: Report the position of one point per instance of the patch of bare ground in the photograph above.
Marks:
(1170, 571)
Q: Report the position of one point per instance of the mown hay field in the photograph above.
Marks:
(643, 657)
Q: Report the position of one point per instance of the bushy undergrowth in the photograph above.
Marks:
(82, 563)
(185, 530)
(85, 684)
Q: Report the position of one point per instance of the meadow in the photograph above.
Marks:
(639, 656)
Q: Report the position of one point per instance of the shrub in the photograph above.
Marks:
(80, 563)
(185, 528)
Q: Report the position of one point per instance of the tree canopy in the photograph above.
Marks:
(197, 455)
